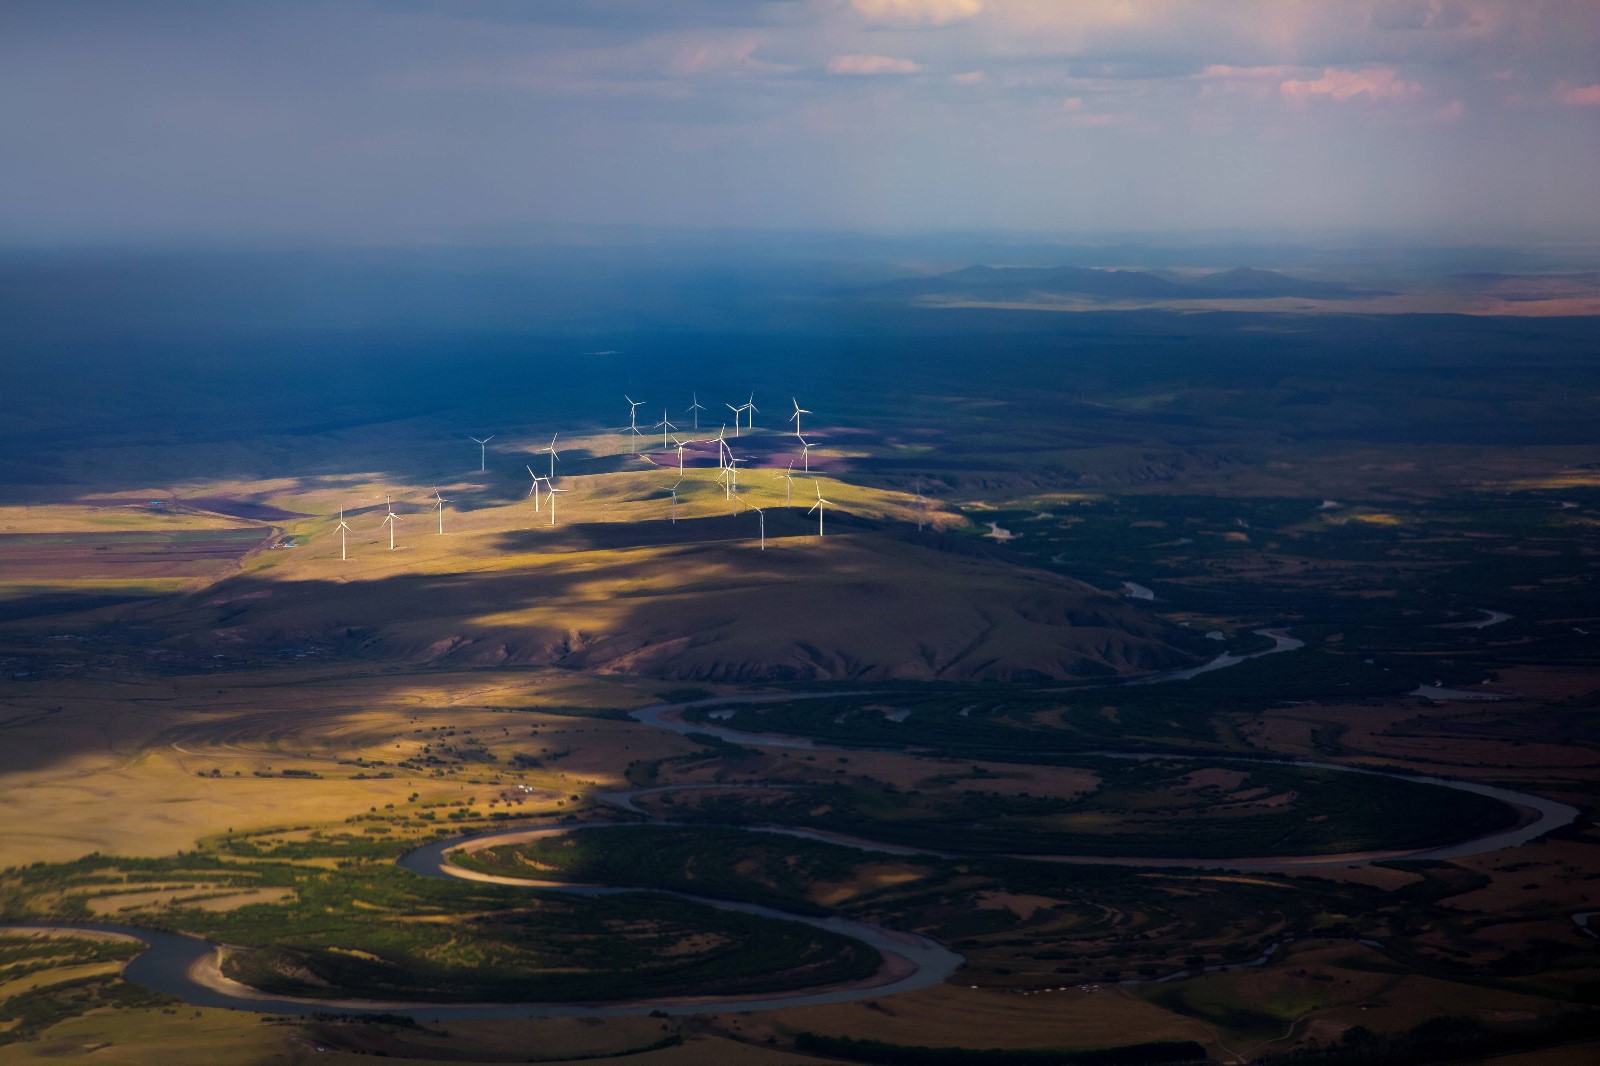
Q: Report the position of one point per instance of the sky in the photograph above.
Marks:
(425, 120)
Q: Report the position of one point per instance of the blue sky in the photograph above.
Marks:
(428, 119)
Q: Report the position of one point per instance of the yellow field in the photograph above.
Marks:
(125, 769)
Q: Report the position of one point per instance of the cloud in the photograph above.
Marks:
(1226, 72)
(1454, 111)
(968, 77)
(714, 56)
(1375, 83)
(1577, 95)
(934, 12)
(1421, 15)
(860, 64)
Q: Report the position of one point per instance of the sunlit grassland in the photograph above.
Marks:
(148, 767)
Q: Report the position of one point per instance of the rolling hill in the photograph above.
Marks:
(852, 606)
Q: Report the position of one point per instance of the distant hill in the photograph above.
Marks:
(1246, 282)
(1021, 284)
(851, 608)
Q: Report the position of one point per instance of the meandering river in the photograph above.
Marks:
(189, 967)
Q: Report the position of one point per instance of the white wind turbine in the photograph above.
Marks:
(555, 457)
(633, 423)
(818, 507)
(805, 453)
(788, 483)
(675, 501)
(552, 490)
(726, 478)
(762, 515)
(798, 411)
(483, 450)
(442, 502)
(736, 411)
(663, 426)
(344, 527)
(390, 521)
(695, 409)
(750, 410)
(680, 446)
(533, 490)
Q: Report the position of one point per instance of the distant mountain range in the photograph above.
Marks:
(1020, 284)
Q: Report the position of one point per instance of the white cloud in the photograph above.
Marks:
(934, 12)
(860, 64)
(1373, 83)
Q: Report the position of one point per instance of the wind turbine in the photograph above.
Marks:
(633, 423)
(695, 409)
(750, 410)
(390, 522)
(727, 479)
(763, 516)
(663, 426)
(554, 457)
(805, 452)
(798, 411)
(675, 501)
(344, 527)
(735, 411)
(533, 490)
(442, 502)
(552, 490)
(633, 420)
(788, 483)
(483, 450)
(680, 445)
(818, 507)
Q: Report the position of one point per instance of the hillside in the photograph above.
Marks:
(854, 606)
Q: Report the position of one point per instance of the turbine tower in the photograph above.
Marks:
(675, 501)
(798, 411)
(695, 409)
(680, 446)
(390, 522)
(552, 490)
(805, 453)
(663, 426)
(736, 411)
(633, 420)
(442, 502)
(344, 527)
(533, 490)
(483, 450)
(818, 507)
(762, 515)
(788, 483)
(555, 456)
